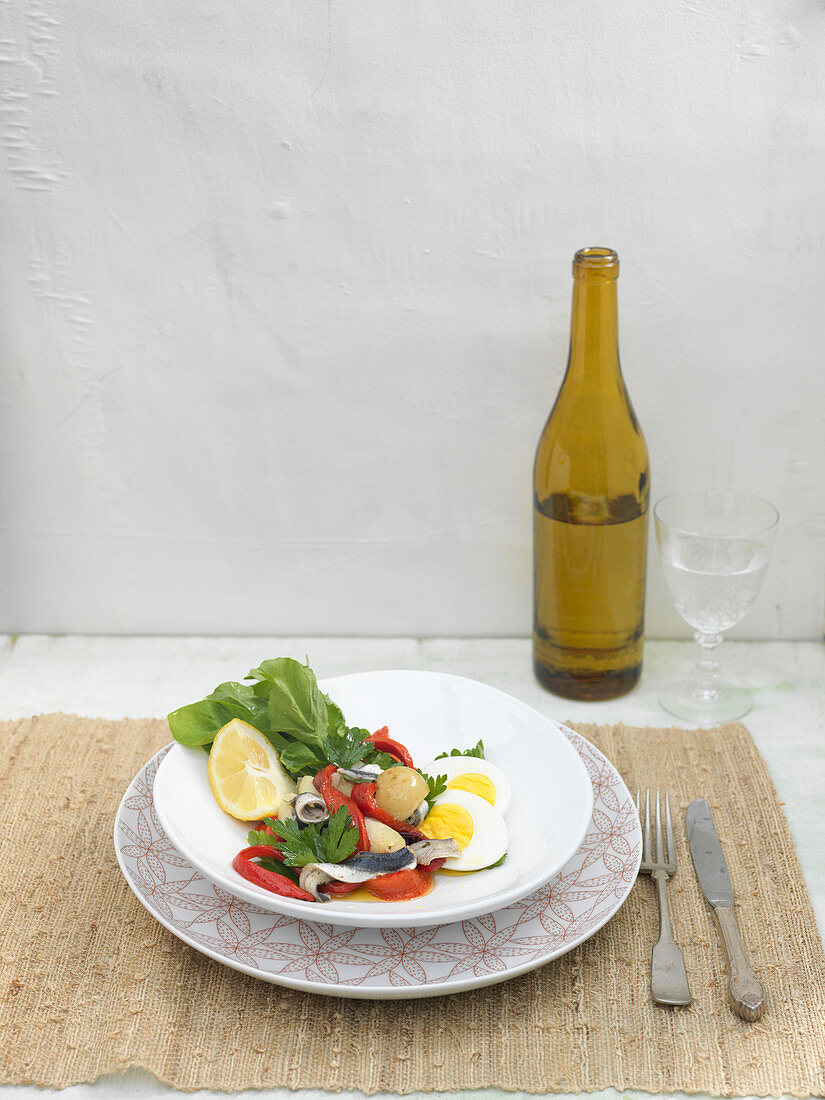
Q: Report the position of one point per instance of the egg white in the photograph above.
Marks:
(490, 834)
(454, 766)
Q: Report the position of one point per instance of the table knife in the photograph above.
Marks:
(745, 991)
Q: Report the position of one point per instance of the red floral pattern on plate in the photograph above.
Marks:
(387, 962)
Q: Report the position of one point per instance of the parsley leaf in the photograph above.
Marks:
(345, 746)
(437, 786)
(258, 836)
(330, 841)
(382, 759)
(348, 747)
(477, 751)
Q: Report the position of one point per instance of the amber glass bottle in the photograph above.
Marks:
(591, 490)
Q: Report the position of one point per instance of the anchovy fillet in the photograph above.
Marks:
(311, 878)
(310, 808)
(367, 774)
(425, 851)
(361, 868)
(364, 866)
(419, 813)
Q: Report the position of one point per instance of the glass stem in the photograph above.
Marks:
(706, 677)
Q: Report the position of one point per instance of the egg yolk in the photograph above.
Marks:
(475, 784)
(448, 820)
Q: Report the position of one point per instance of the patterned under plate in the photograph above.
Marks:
(387, 962)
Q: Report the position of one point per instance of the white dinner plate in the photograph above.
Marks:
(387, 963)
(429, 712)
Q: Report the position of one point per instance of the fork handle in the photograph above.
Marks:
(745, 991)
(668, 977)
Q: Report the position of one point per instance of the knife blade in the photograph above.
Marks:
(745, 991)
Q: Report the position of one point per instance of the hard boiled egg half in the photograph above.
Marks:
(476, 825)
(470, 773)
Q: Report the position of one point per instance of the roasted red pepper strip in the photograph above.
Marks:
(278, 884)
(433, 865)
(384, 743)
(363, 795)
(400, 886)
(334, 798)
(338, 888)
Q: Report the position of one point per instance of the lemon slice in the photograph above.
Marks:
(246, 774)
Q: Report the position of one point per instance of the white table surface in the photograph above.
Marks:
(122, 676)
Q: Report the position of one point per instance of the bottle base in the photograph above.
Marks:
(590, 687)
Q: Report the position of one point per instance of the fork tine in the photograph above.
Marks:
(639, 815)
(671, 847)
(647, 851)
(660, 836)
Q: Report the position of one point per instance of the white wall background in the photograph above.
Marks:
(284, 297)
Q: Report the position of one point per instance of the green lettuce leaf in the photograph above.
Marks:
(297, 706)
(278, 868)
(298, 759)
(197, 723)
(284, 702)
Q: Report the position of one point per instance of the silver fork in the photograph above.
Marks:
(668, 979)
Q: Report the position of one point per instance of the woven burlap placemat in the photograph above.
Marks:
(91, 984)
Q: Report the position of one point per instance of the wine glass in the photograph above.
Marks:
(714, 548)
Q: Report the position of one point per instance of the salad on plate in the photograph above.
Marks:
(334, 808)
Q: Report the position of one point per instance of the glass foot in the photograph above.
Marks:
(706, 708)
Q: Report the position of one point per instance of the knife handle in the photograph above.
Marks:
(745, 991)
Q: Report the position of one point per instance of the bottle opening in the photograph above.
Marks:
(603, 262)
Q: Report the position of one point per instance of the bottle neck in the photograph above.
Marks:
(594, 330)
